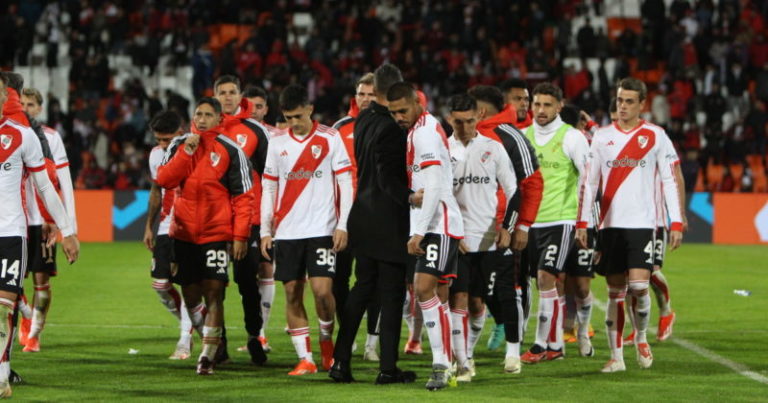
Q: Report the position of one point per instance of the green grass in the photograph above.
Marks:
(104, 305)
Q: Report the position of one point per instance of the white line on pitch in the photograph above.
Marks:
(734, 366)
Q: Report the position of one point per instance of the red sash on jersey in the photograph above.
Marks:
(636, 148)
(10, 140)
(308, 161)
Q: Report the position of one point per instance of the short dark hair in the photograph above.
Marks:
(401, 90)
(612, 108)
(210, 101)
(252, 91)
(226, 79)
(570, 114)
(548, 89)
(33, 93)
(507, 85)
(462, 103)
(13, 80)
(165, 122)
(487, 93)
(633, 84)
(385, 77)
(293, 96)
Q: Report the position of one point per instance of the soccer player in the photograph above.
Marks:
(512, 281)
(21, 154)
(436, 226)
(516, 94)
(251, 136)
(258, 98)
(562, 152)
(298, 210)
(481, 166)
(32, 103)
(625, 157)
(165, 126)
(364, 95)
(213, 207)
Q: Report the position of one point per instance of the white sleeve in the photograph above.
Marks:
(346, 191)
(589, 182)
(431, 198)
(68, 194)
(426, 145)
(155, 160)
(665, 162)
(31, 151)
(576, 147)
(52, 202)
(57, 148)
(269, 183)
(505, 172)
(340, 162)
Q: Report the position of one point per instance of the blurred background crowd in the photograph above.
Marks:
(108, 66)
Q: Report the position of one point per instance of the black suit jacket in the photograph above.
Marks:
(378, 222)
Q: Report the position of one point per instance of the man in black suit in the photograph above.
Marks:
(378, 233)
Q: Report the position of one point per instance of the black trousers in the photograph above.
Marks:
(341, 291)
(376, 280)
(509, 303)
(246, 273)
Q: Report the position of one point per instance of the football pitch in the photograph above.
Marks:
(104, 306)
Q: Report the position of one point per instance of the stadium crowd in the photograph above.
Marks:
(708, 64)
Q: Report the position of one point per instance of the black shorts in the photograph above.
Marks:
(548, 247)
(13, 263)
(475, 272)
(660, 246)
(298, 258)
(579, 262)
(625, 248)
(198, 262)
(162, 257)
(40, 257)
(441, 257)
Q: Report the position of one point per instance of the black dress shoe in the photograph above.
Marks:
(395, 376)
(341, 372)
(258, 356)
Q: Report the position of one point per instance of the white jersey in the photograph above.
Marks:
(627, 163)
(304, 169)
(661, 208)
(428, 147)
(479, 168)
(59, 154)
(19, 149)
(166, 198)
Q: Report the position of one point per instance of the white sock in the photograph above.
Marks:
(24, 308)
(661, 290)
(6, 332)
(169, 297)
(371, 341)
(447, 329)
(326, 330)
(197, 317)
(614, 322)
(547, 301)
(301, 342)
(641, 310)
(211, 340)
(513, 350)
(459, 319)
(556, 342)
(185, 326)
(476, 324)
(40, 311)
(433, 320)
(267, 291)
(584, 314)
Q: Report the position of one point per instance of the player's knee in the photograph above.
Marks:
(638, 288)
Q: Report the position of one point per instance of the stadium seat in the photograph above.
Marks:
(714, 176)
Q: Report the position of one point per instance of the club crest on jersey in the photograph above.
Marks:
(241, 140)
(642, 140)
(5, 141)
(316, 150)
(215, 158)
(485, 156)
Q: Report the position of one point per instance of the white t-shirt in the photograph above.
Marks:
(19, 149)
(428, 149)
(304, 169)
(166, 198)
(627, 163)
(479, 168)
